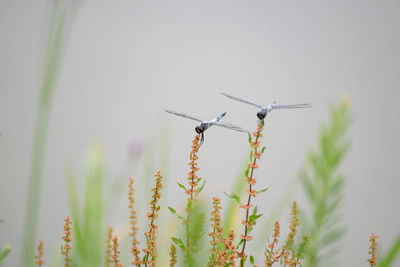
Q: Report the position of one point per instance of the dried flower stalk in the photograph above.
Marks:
(172, 253)
(217, 232)
(372, 250)
(192, 177)
(40, 252)
(116, 253)
(288, 247)
(271, 255)
(193, 184)
(228, 254)
(133, 221)
(150, 250)
(108, 257)
(67, 240)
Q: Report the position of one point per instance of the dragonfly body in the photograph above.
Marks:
(202, 127)
(265, 110)
(205, 124)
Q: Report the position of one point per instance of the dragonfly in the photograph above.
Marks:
(266, 109)
(205, 124)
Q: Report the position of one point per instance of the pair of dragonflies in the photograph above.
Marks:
(261, 114)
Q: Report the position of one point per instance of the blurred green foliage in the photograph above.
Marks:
(232, 211)
(192, 231)
(88, 216)
(324, 187)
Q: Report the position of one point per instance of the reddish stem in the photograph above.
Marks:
(241, 254)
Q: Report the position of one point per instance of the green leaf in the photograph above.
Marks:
(181, 186)
(246, 173)
(252, 218)
(389, 258)
(307, 186)
(337, 185)
(263, 190)
(332, 236)
(173, 211)
(233, 196)
(249, 137)
(4, 252)
(200, 188)
(240, 242)
(145, 258)
(263, 149)
(178, 242)
(252, 260)
(254, 211)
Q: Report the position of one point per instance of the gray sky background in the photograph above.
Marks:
(126, 61)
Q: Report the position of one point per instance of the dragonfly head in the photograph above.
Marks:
(261, 114)
(198, 129)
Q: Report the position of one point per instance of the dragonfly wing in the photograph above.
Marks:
(242, 100)
(231, 126)
(184, 115)
(292, 106)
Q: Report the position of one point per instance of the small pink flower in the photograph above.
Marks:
(253, 166)
(252, 193)
(249, 237)
(250, 181)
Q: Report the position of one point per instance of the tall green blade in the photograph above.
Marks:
(390, 257)
(50, 70)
